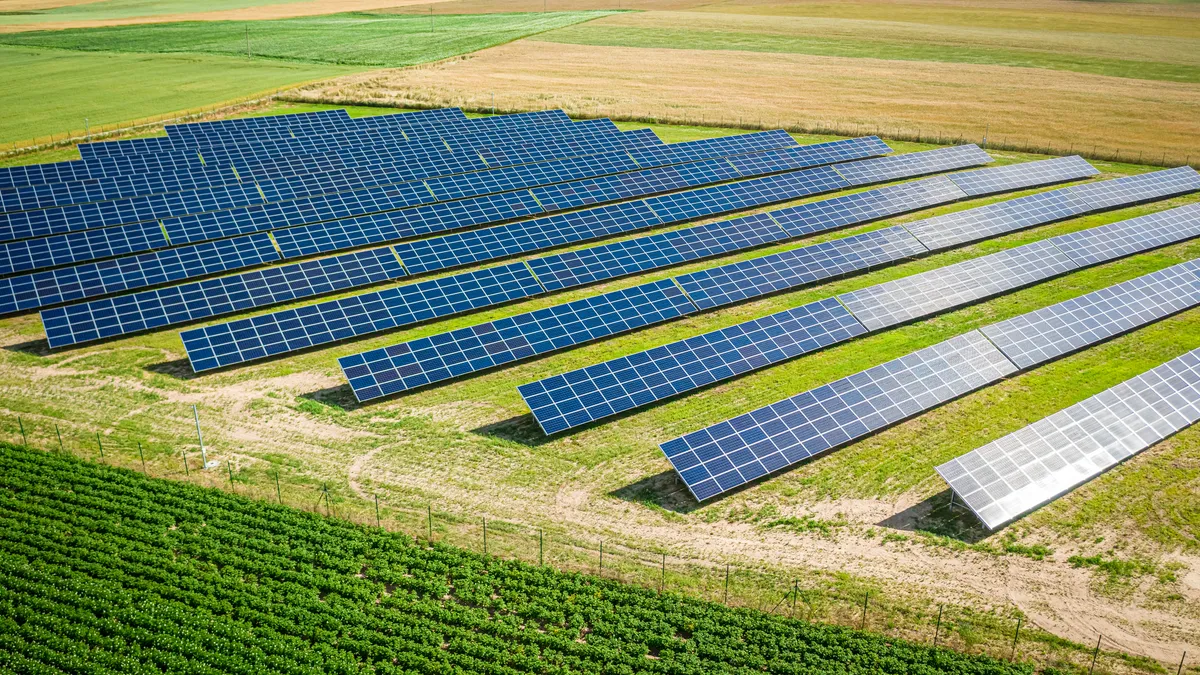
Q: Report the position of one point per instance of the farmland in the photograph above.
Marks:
(864, 536)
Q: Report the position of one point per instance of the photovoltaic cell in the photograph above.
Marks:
(752, 278)
(68, 284)
(588, 394)
(912, 164)
(111, 317)
(1016, 176)
(730, 454)
(1016, 474)
(1143, 233)
(1050, 332)
(323, 323)
(390, 370)
(920, 295)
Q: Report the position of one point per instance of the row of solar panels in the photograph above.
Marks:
(155, 309)
(1017, 473)
(400, 367)
(95, 279)
(729, 454)
(332, 235)
(289, 330)
(79, 170)
(601, 390)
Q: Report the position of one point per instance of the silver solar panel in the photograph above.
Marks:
(919, 295)
(1143, 187)
(1099, 244)
(1016, 176)
(1048, 333)
(731, 453)
(1015, 474)
(987, 221)
(912, 164)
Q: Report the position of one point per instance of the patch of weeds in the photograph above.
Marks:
(313, 407)
(1117, 571)
(805, 524)
(893, 536)
(1007, 546)
(741, 514)
(1035, 552)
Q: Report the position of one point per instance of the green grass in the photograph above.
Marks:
(360, 39)
(52, 91)
(126, 9)
(854, 46)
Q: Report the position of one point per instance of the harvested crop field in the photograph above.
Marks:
(1133, 117)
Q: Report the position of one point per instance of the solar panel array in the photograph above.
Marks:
(730, 454)
(574, 398)
(778, 271)
(1019, 472)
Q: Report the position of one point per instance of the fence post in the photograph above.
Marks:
(601, 559)
(325, 493)
(21, 425)
(142, 457)
(278, 492)
(100, 445)
(540, 549)
(662, 579)
(229, 467)
(863, 624)
(1180, 668)
(186, 472)
(1016, 635)
(377, 511)
(726, 600)
(429, 515)
(795, 592)
(1095, 653)
(484, 526)
(59, 434)
(938, 629)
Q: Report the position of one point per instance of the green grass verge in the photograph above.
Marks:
(360, 38)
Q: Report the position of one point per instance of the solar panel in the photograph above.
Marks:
(576, 268)
(1014, 475)
(289, 330)
(67, 284)
(730, 454)
(920, 295)
(912, 164)
(802, 156)
(1016, 176)
(752, 278)
(65, 249)
(1117, 240)
(111, 317)
(862, 207)
(393, 369)
(1050, 332)
(987, 221)
(588, 394)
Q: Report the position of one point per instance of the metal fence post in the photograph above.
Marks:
(21, 425)
(725, 601)
(1016, 635)
(863, 624)
(938, 628)
(142, 457)
(100, 445)
(377, 511)
(1095, 654)
(278, 492)
(59, 434)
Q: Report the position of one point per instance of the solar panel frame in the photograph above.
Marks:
(404, 366)
(1051, 332)
(1032, 466)
(730, 454)
(612, 387)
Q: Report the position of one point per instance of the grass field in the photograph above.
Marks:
(846, 521)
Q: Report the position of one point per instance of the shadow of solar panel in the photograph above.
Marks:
(739, 281)
(920, 295)
(67, 284)
(576, 268)
(1014, 475)
(730, 454)
(1143, 233)
(1048, 333)
(1134, 189)
(110, 317)
(605, 389)
(863, 207)
(912, 164)
(394, 369)
(1015, 176)
(323, 323)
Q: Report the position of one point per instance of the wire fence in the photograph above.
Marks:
(812, 596)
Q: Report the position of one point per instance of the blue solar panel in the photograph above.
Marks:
(90, 280)
(1143, 233)
(38, 174)
(862, 207)
(110, 317)
(1016, 176)
(576, 268)
(390, 370)
(588, 394)
(730, 454)
(261, 336)
(65, 249)
(1053, 331)
(739, 281)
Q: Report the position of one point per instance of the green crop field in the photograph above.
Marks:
(130, 574)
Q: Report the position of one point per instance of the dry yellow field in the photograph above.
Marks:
(1024, 107)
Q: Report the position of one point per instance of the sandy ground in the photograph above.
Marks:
(1071, 110)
